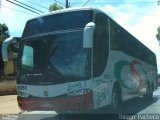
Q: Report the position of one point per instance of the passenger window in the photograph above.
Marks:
(27, 58)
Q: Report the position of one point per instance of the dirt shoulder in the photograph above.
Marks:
(7, 87)
(8, 105)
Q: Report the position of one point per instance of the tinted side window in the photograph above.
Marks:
(123, 41)
(100, 44)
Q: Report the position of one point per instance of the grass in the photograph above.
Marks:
(7, 87)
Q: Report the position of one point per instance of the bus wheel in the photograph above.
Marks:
(149, 93)
(116, 98)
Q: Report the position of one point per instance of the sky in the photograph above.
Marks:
(140, 17)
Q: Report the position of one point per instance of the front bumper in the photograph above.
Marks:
(74, 103)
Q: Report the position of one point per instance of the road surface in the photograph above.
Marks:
(8, 105)
(137, 106)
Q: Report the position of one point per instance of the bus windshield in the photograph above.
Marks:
(55, 58)
(57, 22)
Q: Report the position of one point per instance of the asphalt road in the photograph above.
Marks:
(133, 108)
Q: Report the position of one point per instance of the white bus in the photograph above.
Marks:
(80, 59)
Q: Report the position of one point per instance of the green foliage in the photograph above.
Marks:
(158, 34)
(55, 7)
(4, 33)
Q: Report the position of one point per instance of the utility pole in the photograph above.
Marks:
(1, 32)
(158, 2)
(67, 4)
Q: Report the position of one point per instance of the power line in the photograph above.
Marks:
(86, 2)
(126, 3)
(137, 13)
(38, 5)
(23, 7)
(60, 2)
(16, 10)
(28, 6)
(77, 3)
(129, 11)
(67, 4)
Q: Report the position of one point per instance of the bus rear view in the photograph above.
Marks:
(53, 65)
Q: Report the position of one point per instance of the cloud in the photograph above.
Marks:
(116, 13)
(4, 6)
(146, 29)
(14, 17)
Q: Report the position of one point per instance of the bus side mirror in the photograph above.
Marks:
(88, 35)
(5, 45)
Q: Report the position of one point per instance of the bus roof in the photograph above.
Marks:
(67, 10)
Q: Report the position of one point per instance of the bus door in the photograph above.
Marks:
(100, 57)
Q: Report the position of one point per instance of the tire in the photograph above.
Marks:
(116, 99)
(149, 93)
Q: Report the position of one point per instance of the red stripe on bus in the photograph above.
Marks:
(60, 103)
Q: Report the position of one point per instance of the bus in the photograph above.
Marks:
(80, 59)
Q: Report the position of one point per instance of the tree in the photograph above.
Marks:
(158, 34)
(4, 32)
(55, 7)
